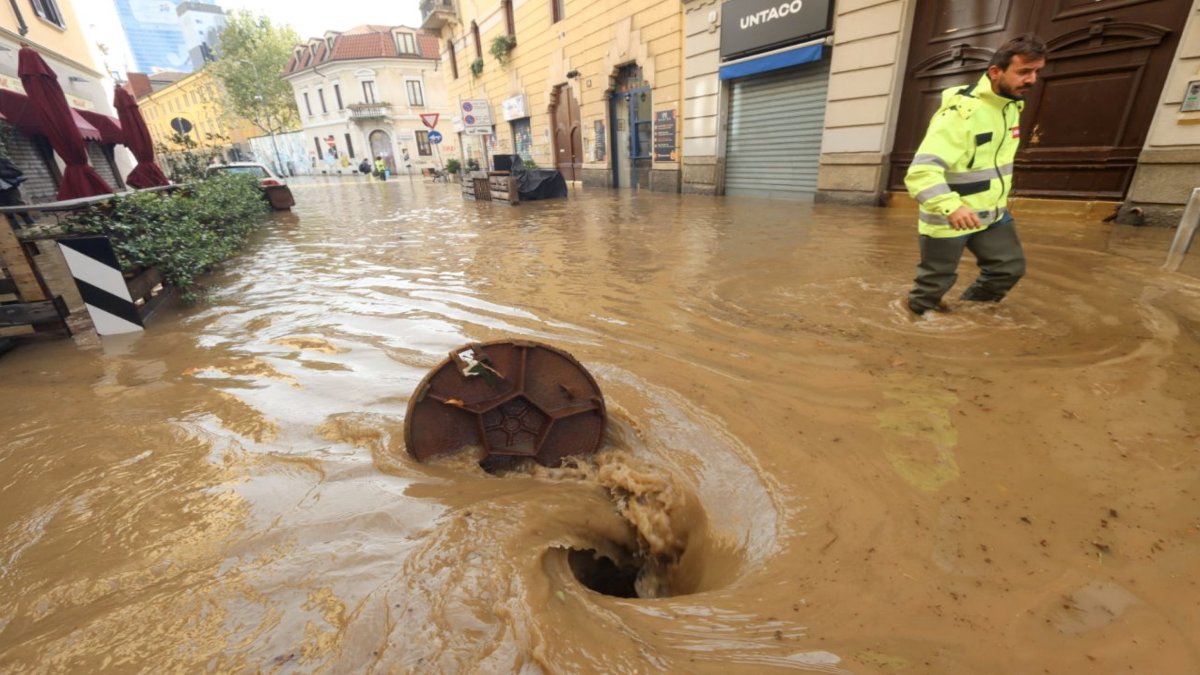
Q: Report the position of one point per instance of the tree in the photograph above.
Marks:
(252, 54)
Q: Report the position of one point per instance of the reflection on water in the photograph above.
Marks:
(825, 483)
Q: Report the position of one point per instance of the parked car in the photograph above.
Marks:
(274, 188)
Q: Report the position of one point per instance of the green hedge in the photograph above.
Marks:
(184, 233)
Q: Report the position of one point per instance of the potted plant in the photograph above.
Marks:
(477, 67)
(453, 167)
(472, 165)
(502, 46)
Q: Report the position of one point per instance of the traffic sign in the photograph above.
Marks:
(435, 137)
(181, 125)
(429, 119)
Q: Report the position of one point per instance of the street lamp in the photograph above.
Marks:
(262, 99)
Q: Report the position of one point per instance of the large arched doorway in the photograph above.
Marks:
(1085, 123)
(381, 145)
(568, 136)
(631, 114)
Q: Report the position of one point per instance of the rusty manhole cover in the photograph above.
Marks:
(512, 398)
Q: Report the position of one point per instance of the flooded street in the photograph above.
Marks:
(836, 486)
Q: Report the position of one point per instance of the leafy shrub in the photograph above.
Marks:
(184, 233)
(502, 46)
(453, 166)
(185, 160)
(477, 66)
(472, 165)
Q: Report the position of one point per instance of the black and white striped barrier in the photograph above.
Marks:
(100, 282)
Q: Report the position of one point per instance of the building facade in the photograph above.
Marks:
(590, 87)
(852, 116)
(362, 93)
(194, 106)
(52, 28)
(155, 36)
(201, 23)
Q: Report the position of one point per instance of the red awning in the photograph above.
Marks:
(109, 127)
(20, 112)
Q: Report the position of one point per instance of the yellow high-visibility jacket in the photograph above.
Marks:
(966, 158)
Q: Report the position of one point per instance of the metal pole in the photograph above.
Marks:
(1183, 236)
(262, 99)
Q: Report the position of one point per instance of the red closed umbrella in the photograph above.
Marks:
(137, 138)
(41, 85)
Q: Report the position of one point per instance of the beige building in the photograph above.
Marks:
(765, 114)
(52, 28)
(590, 87)
(362, 93)
(196, 103)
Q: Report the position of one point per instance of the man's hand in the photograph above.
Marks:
(964, 219)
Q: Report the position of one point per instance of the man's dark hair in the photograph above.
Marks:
(1029, 46)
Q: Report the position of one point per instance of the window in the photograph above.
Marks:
(307, 104)
(317, 142)
(423, 147)
(558, 11)
(337, 95)
(406, 43)
(510, 21)
(349, 146)
(321, 98)
(368, 91)
(48, 10)
(478, 44)
(453, 58)
(415, 96)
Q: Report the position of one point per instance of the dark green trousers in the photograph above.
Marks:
(1001, 266)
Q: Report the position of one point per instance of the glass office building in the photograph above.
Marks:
(155, 36)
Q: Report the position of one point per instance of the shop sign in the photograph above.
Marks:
(749, 26)
(11, 84)
(514, 108)
(601, 142)
(664, 136)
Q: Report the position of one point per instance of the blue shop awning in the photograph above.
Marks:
(762, 64)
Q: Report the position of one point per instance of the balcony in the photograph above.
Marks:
(437, 13)
(367, 111)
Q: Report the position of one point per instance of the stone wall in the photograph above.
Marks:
(1169, 164)
(867, 73)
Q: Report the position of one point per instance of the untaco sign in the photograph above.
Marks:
(749, 26)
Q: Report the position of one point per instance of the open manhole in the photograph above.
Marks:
(516, 399)
(622, 573)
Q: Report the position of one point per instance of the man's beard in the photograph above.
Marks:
(1011, 93)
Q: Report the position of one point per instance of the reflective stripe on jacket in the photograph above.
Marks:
(966, 158)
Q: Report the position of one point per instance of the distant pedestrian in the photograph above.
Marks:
(364, 167)
(381, 168)
(961, 177)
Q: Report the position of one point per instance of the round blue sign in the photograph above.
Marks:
(435, 137)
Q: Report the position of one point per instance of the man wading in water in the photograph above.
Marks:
(961, 177)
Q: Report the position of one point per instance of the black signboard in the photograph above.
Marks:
(749, 26)
(664, 136)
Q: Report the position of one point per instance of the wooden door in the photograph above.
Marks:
(1086, 121)
(568, 137)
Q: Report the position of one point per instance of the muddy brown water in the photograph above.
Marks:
(835, 487)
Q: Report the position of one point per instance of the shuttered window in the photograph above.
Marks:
(775, 127)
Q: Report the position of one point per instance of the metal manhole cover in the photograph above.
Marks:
(513, 398)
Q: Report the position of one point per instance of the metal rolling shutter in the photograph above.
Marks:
(99, 161)
(40, 185)
(775, 126)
